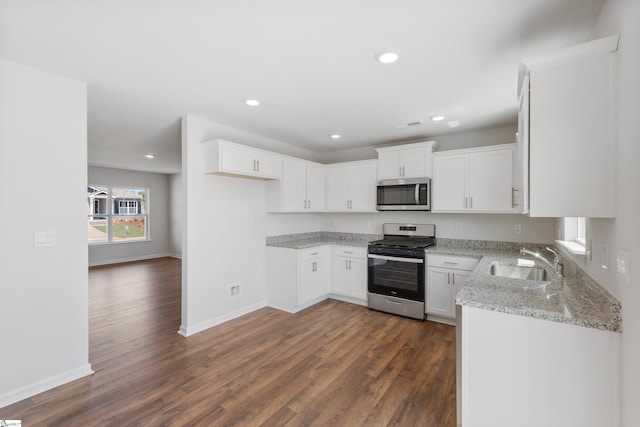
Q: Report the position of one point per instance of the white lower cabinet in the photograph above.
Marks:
(349, 266)
(297, 278)
(446, 276)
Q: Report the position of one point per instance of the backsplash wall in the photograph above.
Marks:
(500, 227)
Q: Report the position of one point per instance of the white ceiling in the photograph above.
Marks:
(147, 63)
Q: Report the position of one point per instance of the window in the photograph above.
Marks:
(117, 214)
(574, 235)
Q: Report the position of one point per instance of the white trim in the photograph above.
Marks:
(44, 385)
(190, 330)
(593, 47)
(574, 248)
(351, 300)
(130, 259)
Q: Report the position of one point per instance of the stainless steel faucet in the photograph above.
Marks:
(557, 265)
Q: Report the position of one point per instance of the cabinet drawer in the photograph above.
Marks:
(448, 261)
(315, 252)
(350, 251)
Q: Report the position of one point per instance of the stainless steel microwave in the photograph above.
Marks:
(411, 194)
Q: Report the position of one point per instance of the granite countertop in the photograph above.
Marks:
(573, 298)
(321, 238)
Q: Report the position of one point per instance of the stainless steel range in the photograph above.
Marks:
(397, 269)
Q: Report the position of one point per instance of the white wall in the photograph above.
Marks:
(43, 176)
(159, 216)
(175, 215)
(451, 141)
(500, 227)
(622, 235)
(224, 226)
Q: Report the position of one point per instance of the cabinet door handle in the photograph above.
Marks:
(315, 253)
(450, 263)
(348, 252)
(448, 278)
(513, 197)
(314, 266)
(400, 171)
(349, 264)
(254, 166)
(309, 204)
(465, 202)
(258, 165)
(453, 278)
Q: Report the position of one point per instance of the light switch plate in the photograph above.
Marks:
(624, 268)
(43, 239)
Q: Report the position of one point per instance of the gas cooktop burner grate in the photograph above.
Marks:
(413, 243)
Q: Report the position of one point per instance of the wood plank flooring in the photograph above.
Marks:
(333, 364)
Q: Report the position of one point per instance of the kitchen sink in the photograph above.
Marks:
(519, 272)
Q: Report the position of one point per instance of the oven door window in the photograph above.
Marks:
(401, 277)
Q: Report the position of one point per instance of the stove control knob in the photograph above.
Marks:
(408, 253)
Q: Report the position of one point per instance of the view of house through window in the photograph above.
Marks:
(117, 214)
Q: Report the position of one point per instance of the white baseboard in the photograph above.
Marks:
(348, 299)
(44, 385)
(130, 259)
(190, 330)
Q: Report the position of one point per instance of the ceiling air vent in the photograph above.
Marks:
(410, 124)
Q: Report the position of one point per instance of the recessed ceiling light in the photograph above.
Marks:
(150, 156)
(335, 136)
(437, 118)
(454, 124)
(387, 57)
(252, 102)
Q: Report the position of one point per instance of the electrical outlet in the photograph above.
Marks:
(517, 228)
(458, 226)
(234, 290)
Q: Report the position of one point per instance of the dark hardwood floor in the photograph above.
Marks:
(333, 364)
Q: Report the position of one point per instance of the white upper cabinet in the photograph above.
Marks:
(351, 186)
(406, 161)
(301, 188)
(572, 124)
(228, 158)
(475, 180)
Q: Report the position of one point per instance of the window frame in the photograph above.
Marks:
(574, 237)
(124, 203)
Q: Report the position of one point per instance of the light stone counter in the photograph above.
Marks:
(321, 238)
(574, 298)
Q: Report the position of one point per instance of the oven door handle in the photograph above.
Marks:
(398, 259)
